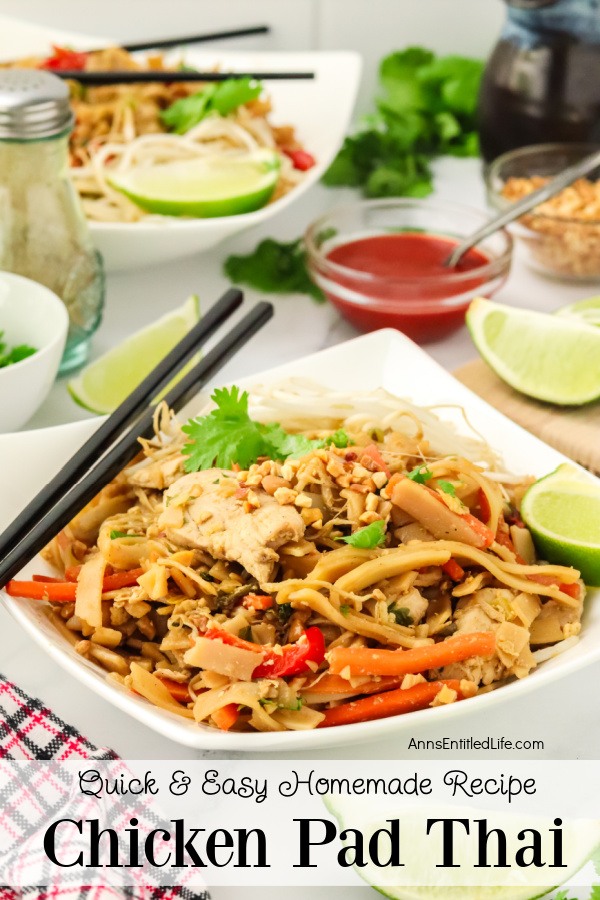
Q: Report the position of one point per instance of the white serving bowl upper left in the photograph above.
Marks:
(29, 314)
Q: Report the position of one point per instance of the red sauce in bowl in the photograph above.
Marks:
(409, 287)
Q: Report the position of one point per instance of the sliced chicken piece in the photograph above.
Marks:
(205, 510)
(490, 609)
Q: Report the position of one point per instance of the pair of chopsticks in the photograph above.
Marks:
(115, 442)
(161, 76)
(127, 76)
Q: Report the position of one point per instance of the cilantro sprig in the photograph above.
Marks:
(228, 435)
(367, 538)
(11, 355)
(221, 97)
(426, 108)
(274, 267)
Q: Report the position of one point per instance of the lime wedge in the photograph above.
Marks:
(106, 381)
(419, 877)
(587, 311)
(562, 511)
(222, 185)
(551, 358)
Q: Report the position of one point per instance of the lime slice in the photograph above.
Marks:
(562, 511)
(551, 358)
(106, 381)
(419, 878)
(223, 185)
(587, 311)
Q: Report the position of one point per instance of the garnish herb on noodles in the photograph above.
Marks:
(120, 127)
(230, 580)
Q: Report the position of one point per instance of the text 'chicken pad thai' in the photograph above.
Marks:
(123, 127)
(359, 560)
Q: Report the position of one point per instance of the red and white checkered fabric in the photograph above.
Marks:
(28, 803)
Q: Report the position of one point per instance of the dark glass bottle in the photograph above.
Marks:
(542, 82)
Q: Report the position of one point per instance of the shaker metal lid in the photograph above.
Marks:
(33, 105)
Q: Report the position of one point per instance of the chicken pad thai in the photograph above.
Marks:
(303, 558)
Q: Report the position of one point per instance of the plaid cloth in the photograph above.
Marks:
(36, 797)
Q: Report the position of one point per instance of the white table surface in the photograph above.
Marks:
(559, 715)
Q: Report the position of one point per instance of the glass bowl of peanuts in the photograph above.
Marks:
(561, 237)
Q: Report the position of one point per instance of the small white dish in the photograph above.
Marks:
(29, 314)
(381, 359)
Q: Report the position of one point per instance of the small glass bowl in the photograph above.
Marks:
(561, 246)
(425, 308)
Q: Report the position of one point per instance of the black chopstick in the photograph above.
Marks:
(123, 417)
(159, 76)
(79, 492)
(166, 43)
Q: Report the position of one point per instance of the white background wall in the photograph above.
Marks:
(373, 27)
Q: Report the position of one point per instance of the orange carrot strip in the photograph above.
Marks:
(47, 579)
(121, 579)
(179, 692)
(257, 601)
(65, 591)
(226, 717)
(453, 570)
(55, 591)
(391, 703)
(363, 661)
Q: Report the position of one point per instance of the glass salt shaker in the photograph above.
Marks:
(43, 231)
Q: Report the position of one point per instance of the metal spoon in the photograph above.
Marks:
(515, 210)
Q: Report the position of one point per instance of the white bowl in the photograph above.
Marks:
(381, 359)
(29, 314)
(320, 111)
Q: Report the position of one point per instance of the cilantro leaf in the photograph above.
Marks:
(421, 475)
(426, 107)
(595, 894)
(123, 534)
(220, 97)
(369, 537)
(402, 615)
(345, 609)
(284, 610)
(274, 267)
(228, 434)
(447, 487)
(9, 356)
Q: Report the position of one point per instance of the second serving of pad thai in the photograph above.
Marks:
(135, 144)
(359, 559)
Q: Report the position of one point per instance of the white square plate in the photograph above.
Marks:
(381, 359)
(320, 110)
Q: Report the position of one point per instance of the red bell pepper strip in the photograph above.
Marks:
(65, 591)
(65, 59)
(453, 570)
(301, 159)
(294, 659)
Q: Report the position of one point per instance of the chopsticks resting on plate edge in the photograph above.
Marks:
(97, 463)
(159, 76)
(167, 43)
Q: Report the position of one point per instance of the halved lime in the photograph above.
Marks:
(551, 358)
(421, 878)
(106, 381)
(226, 184)
(562, 511)
(585, 310)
